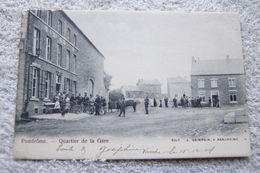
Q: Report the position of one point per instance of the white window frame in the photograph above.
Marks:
(75, 40)
(48, 49)
(232, 82)
(69, 34)
(74, 63)
(59, 55)
(47, 84)
(214, 82)
(60, 27)
(201, 83)
(35, 83)
(49, 18)
(67, 63)
(36, 39)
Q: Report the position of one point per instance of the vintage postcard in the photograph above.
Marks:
(130, 85)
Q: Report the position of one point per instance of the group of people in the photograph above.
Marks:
(99, 103)
(67, 104)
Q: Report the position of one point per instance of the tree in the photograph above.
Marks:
(107, 81)
(115, 95)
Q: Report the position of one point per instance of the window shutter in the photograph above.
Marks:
(51, 89)
(30, 82)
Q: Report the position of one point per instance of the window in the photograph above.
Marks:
(214, 82)
(74, 87)
(233, 96)
(49, 18)
(74, 63)
(58, 83)
(59, 54)
(201, 83)
(68, 34)
(36, 40)
(67, 62)
(35, 79)
(231, 82)
(47, 85)
(75, 40)
(60, 27)
(48, 49)
(38, 13)
(67, 86)
(202, 95)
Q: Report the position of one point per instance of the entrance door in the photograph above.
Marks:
(214, 95)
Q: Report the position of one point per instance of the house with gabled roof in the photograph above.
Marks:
(151, 88)
(132, 92)
(218, 79)
(177, 87)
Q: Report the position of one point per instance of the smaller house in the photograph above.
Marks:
(132, 92)
(151, 88)
(177, 87)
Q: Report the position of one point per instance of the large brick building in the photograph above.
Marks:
(222, 78)
(177, 87)
(55, 56)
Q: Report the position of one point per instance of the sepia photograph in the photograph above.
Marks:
(130, 85)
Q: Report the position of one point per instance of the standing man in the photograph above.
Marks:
(97, 104)
(209, 102)
(199, 102)
(175, 102)
(110, 105)
(122, 108)
(166, 102)
(134, 105)
(217, 102)
(146, 104)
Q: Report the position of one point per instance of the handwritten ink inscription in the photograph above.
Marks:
(148, 150)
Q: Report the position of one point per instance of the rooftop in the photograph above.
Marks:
(177, 79)
(131, 88)
(217, 66)
(149, 82)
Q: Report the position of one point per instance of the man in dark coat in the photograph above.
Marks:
(122, 107)
(209, 102)
(134, 105)
(97, 104)
(166, 102)
(146, 104)
(110, 105)
(175, 102)
(154, 102)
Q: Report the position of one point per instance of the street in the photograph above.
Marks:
(190, 122)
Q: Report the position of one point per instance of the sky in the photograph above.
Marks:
(158, 45)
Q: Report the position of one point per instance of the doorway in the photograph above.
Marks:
(214, 97)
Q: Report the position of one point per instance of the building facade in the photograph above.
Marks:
(177, 87)
(218, 79)
(132, 92)
(55, 56)
(151, 88)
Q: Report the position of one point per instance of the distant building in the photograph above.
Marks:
(177, 87)
(222, 78)
(132, 92)
(151, 88)
(55, 56)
